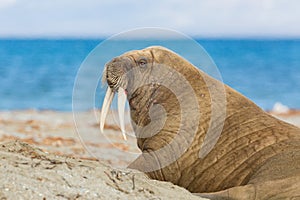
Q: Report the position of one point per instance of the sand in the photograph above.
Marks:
(56, 158)
(30, 173)
(56, 132)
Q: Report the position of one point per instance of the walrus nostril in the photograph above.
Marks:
(110, 84)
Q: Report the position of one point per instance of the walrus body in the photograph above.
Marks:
(256, 156)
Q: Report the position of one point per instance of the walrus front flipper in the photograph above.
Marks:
(288, 188)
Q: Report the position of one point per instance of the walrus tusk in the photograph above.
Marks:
(105, 107)
(121, 109)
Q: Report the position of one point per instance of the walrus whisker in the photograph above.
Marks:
(121, 109)
(105, 107)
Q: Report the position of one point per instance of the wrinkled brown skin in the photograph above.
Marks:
(256, 157)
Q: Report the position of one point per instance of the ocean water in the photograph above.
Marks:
(40, 74)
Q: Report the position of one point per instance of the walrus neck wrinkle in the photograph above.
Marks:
(151, 116)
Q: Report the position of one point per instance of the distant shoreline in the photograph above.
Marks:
(291, 116)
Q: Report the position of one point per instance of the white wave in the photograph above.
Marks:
(279, 108)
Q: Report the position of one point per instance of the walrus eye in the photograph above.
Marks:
(142, 62)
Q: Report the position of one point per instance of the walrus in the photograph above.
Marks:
(255, 156)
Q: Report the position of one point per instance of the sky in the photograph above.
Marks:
(101, 18)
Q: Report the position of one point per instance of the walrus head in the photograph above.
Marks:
(143, 77)
(120, 74)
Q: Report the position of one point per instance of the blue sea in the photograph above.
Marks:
(40, 73)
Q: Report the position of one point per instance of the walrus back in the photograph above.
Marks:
(251, 145)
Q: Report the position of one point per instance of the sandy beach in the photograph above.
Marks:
(57, 132)
(45, 156)
(84, 162)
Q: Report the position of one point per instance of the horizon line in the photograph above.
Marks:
(104, 37)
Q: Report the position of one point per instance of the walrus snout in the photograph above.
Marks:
(115, 71)
(115, 75)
